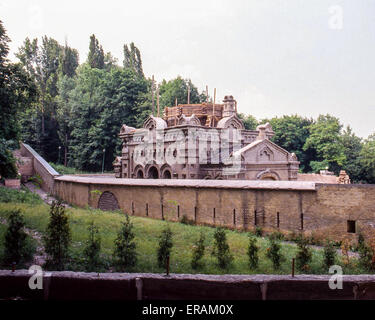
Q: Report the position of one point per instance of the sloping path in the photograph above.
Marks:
(41, 193)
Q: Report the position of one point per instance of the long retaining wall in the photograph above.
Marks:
(93, 286)
(40, 167)
(321, 210)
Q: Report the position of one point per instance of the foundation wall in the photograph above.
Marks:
(92, 286)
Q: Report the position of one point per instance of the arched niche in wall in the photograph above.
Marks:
(268, 175)
(153, 173)
(108, 202)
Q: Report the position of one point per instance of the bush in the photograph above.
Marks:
(293, 236)
(186, 220)
(304, 254)
(58, 237)
(92, 248)
(367, 256)
(19, 196)
(258, 231)
(345, 247)
(165, 247)
(8, 167)
(198, 251)
(329, 254)
(273, 252)
(253, 252)
(361, 241)
(36, 180)
(278, 235)
(221, 249)
(125, 248)
(18, 247)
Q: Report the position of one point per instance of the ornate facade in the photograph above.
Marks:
(202, 141)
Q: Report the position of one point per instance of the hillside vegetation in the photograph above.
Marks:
(147, 232)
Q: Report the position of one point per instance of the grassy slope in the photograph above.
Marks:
(147, 232)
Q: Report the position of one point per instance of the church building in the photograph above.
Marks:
(202, 141)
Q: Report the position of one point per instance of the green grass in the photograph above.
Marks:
(66, 170)
(147, 233)
(61, 169)
(18, 196)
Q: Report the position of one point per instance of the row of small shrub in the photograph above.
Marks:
(366, 250)
(57, 241)
(303, 257)
(19, 248)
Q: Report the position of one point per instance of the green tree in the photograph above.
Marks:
(95, 57)
(57, 238)
(352, 150)
(325, 139)
(132, 59)
(366, 259)
(8, 167)
(64, 113)
(249, 121)
(221, 248)
(165, 247)
(252, 252)
(43, 64)
(178, 89)
(198, 251)
(274, 251)
(17, 91)
(125, 253)
(110, 61)
(367, 159)
(99, 103)
(291, 133)
(85, 103)
(17, 246)
(92, 248)
(329, 254)
(304, 254)
(69, 61)
(120, 98)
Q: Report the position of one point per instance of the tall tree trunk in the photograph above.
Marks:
(42, 123)
(66, 150)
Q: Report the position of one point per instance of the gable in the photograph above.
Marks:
(264, 151)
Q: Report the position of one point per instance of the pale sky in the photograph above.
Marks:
(275, 57)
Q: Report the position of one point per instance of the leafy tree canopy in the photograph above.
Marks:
(325, 139)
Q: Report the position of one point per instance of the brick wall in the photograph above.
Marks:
(322, 211)
(40, 167)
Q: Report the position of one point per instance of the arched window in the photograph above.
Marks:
(167, 174)
(153, 173)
